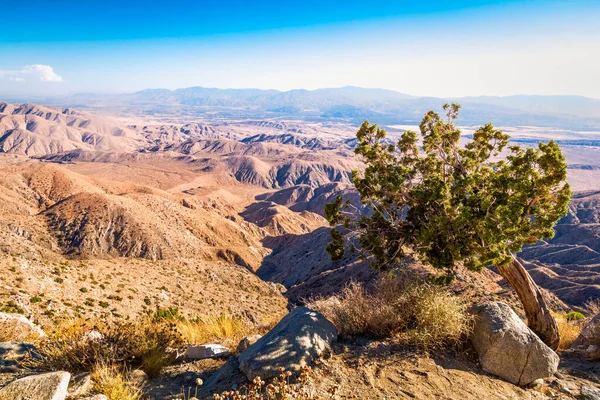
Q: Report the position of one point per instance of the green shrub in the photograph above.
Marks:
(35, 299)
(574, 316)
(169, 313)
(12, 308)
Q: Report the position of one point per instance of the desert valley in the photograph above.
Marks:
(205, 210)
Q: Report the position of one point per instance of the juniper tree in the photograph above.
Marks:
(474, 205)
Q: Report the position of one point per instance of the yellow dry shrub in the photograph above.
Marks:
(223, 329)
(421, 313)
(142, 343)
(112, 382)
(569, 330)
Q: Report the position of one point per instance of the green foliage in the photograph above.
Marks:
(12, 308)
(574, 316)
(35, 299)
(451, 203)
(169, 313)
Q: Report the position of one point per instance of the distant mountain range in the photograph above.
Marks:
(348, 104)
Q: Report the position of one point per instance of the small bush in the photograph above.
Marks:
(169, 313)
(574, 316)
(111, 382)
(35, 299)
(569, 330)
(421, 313)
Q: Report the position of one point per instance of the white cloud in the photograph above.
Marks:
(44, 73)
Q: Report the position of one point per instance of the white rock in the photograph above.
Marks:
(92, 336)
(206, 351)
(49, 386)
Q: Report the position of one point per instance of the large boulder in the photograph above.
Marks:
(18, 327)
(508, 348)
(49, 386)
(297, 340)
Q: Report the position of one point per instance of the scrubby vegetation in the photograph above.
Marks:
(80, 345)
(280, 387)
(419, 313)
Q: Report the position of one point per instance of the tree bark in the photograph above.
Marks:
(539, 317)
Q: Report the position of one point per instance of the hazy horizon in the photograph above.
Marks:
(416, 96)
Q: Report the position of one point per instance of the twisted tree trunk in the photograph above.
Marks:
(539, 318)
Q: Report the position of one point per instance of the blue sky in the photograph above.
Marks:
(430, 48)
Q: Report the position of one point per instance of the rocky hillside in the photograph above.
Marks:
(569, 264)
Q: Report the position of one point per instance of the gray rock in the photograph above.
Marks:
(81, 385)
(297, 340)
(246, 342)
(19, 327)
(49, 386)
(590, 333)
(590, 393)
(508, 348)
(16, 350)
(592, 352)
(138, 377)
(206, 351)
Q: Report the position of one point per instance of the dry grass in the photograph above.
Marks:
(111, 382)
(420, 313)
(569, 330)
(222, 329)
(143, 343)
(14, 332)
